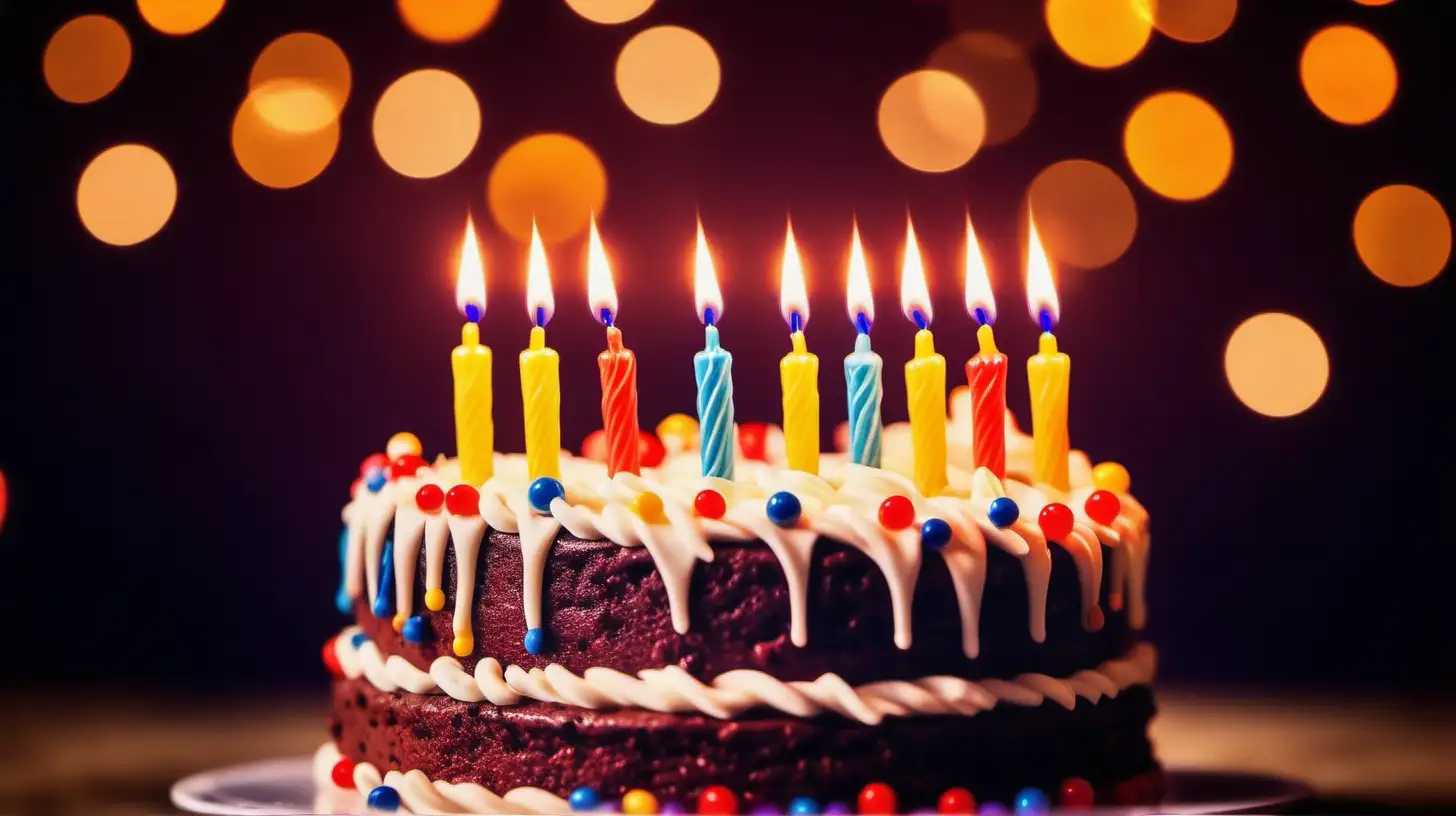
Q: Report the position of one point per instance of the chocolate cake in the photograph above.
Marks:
(809, 643)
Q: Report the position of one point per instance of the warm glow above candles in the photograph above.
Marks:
(706, 294)
(793, 296)
(1041, 290)
(858, 296)
(540, 303)
(978, 280)
(914, 294)
(601, 291)
(470, 276)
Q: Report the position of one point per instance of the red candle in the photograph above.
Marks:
(618, 365)
(986, 371)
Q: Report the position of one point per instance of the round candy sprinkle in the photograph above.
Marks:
(710, 504)
(535, 640)
(935, 534)
(435, 599)
(650, 449)
(583, 799)
(784, 509)
(648, 507)
(1056, 523)
(542, 492)
(992, 809)
(1111, 476)
(1076, 794)
(672, 808)
(331, 658)
(753, 440)
(371, 463)
(610, 806)
(343, 773)
(716, 800)
(464, 644)
(359, 639)
(416, 630)
(405, 465)
(956, 800)
(376, 480)
(594, 447)
(398, 622)
(463, 500)
(638, 802)
(1103, 506)
(430, 498)
(877, 798)
(837, 809)
(681, 428)
(897, 513)
(765, 809)
(1004, 512)
(1030, 801)
(384, 798)
(803, 806)
(403, 443)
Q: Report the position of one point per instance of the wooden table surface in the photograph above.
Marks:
(99, 754)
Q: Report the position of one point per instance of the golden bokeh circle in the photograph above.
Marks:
(610, 12)
(1348, 74)
(1403, 235)
(1276, 364)
(126, 194)
(931, 120)
(1084, 213)
(275, 157)
(668, 75)
(1194, 21)
(426, 123)
(1178, 145)
(295, 106)
(552, 176)
(1100, 33)
(447, 21)
(1000, 73)
(293, 75)
(1374, 2)
(86, 58)
(179, 17)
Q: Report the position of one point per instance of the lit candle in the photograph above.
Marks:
(924, 375)
(986, 371)
(1049, 373)
(863, 370)
(618, 365)
(799, 370)
(470, 364)
(713, 370)
(540, 370)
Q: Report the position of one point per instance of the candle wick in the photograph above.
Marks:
(981, 316)
(862, 323)
(796, 321)
(919, 318)
(472, 312)
(709, 317)
(541, 317)
(607, 318)
(1044, 319)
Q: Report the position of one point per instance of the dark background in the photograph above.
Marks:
(181, 419)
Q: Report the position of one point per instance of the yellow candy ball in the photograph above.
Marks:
(680, 427)
(403, 443)
(435, 600)
(639, 802)
(1111, 476)
(399, 621)
(464, 645)
(648, 507)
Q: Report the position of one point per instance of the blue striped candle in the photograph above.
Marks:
(713, 368)
(862, 375)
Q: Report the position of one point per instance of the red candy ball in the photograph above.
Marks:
(897, 513)
(374, 461)
(354, 487)
(594, 447)
(1076, 793)
(650, 449)
(463, 500)
(877, 798)
(1056, 521)
(1103, 506)
(405, 465)
(710, 504)
(957, 800)
(716, 800)
(331, 658)
(430, 498)
(343, 773)
(753, 439)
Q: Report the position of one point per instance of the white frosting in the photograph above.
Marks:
(419, 794)
(673, 690)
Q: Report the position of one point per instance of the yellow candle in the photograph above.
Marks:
(925, 393)
(799, 376)
(541, 396)
(1049, 372)
(474, 426)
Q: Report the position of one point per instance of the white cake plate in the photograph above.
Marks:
(277, 787)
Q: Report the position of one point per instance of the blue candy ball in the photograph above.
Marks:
(837, 809)
(343, 602)
(1004, 512)
(376, 480)
(583, 799)
(416, 630)
(359, 639)
(1031, 801)
(384, 798)
(535, 640)
(542, 492)
(935, 533)
(784, 509)
(804, 806)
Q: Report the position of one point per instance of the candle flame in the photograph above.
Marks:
(1041, 291)
(793, 297)
(914, 295)
(601, 291)
(470, 274)
(978, 279)
(706, 294)
(540, 304)
(858, 296)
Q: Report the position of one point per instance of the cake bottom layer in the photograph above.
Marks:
(766, 760)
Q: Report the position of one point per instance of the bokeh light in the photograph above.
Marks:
(998, 70)
(447, 21)
(1403, 235)
(1178, 145)
(1084, 213)
(1348, 74)
(932, 120)
(300, 83)
(1276, 364)
(426, 123)
(126, 194)
(668, 74)
(1194, 21)
(1020, 21)
(552, 176)
(86, 58)
(1100, 33)
(4, 498)
(276, 157)
(610, 12)
(1374, 2)
(179, 16)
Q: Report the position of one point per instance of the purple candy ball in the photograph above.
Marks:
(837, 809)
(991, 809)
(672, 809)
(611, 806)
(765, 810)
